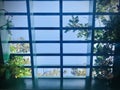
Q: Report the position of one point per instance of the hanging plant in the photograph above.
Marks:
(8, 23)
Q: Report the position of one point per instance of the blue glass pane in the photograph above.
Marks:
(19, 35)
(19, 21)
(76, 60)
(46, 21)
(15, 6)
(76, 48)
(45, 6)
(47, 48)
(76, 6)
(47, 35)
(47, 61)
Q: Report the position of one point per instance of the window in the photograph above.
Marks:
(62, 38)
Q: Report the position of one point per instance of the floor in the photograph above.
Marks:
(54, 84)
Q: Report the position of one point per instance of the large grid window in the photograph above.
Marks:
(61, 38)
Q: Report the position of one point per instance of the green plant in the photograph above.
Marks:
(8, 23)
(14, 68)
(106, 5)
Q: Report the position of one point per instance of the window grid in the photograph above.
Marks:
(60, 14)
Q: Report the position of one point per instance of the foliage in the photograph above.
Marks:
(104, 61)
(112, 33)
(78, 72)
(19, 48)
(75, 24)
(54, 72)
(14, 68)
(8, 23)
(106, 5)
(104, 48)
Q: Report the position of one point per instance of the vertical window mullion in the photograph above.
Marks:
(61, 39)
(92, 39)
(30, 37)
(61, 43)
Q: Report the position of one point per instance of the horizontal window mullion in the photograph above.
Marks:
(46, 28)
(14, 13)
(14, 54)
(97, 28)
(22, 28)
(49, 14)
(102, 66)
(107, 13)
(37, 13)
(18, 41)
(55, 54)
(57, 41)
(76, 41)
(73, 28)
(63, 66)
(110, 42)
(54, 28)
(81, 13)
(95, 54)
(50, 41)
(48, 66)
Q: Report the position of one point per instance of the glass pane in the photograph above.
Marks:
(76, 21)
(103, 60)
(15, 6)
(104, 48)
(75, 72)
(75, 6)
(107, 5)
(19, 21)
(46, 21)
(76, 60)
(47, 48)
(76, 48)
(27, 60)
(47, 35)
(48, 72)
(102, 73)
(45, 6)
(47, 61)
(76, 34)
(19, 35)
(19, 48)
